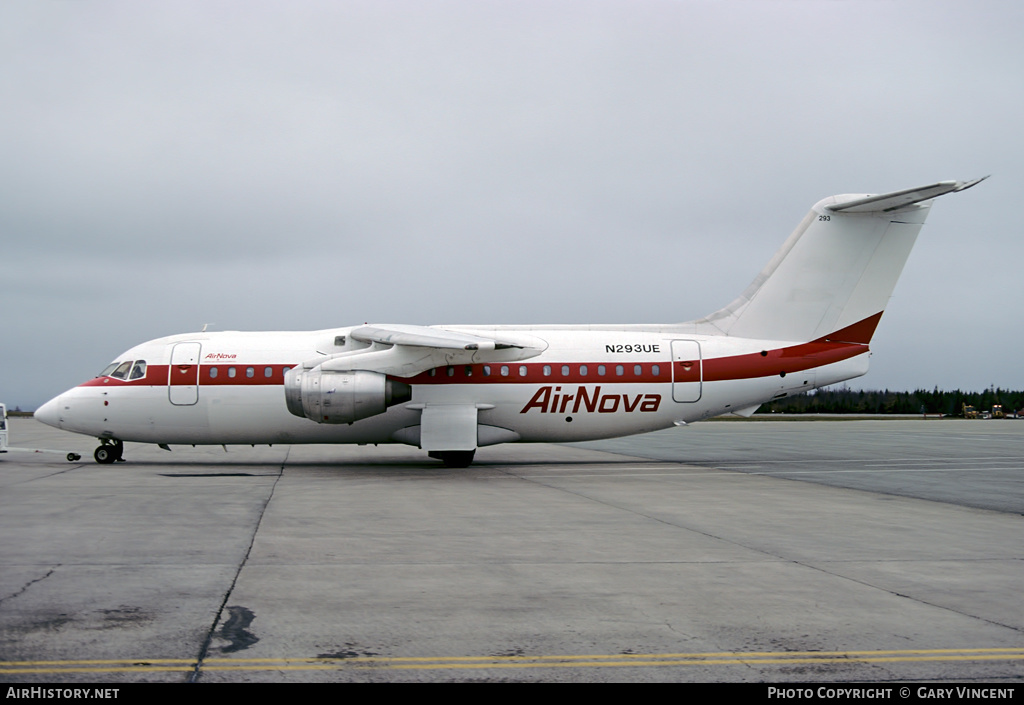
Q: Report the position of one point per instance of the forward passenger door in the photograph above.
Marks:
(183, 376)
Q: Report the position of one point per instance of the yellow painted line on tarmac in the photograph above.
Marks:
(722, 658)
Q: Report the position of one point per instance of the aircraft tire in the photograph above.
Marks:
(104, 455)
(72, 457)
(456, 458)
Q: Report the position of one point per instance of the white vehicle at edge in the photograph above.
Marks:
(806, 321)
(4, 448)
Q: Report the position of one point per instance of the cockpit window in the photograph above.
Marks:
(125, 370)
(122, 370)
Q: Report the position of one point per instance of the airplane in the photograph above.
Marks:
(806, 321)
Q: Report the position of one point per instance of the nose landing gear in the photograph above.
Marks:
(109, 451)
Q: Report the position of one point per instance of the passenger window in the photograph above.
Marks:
(213, 372)
(638, 370)
(468, 370)
(487, 370)
(547, 370)
(139, 371)
(583, 370)
(451, 371)
(250, 372)
(268, 372)
(565, 370)
(655, 370)
(122, 370)
(620, 370)
(231, 372)
(504, 370)
(522, 370)
(600, 370)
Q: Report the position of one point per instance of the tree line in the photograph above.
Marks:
(849, 401)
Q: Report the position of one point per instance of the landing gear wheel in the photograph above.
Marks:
(72, 457)
(454, 458)
(109, 451)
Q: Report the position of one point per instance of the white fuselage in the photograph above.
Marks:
(588, 383)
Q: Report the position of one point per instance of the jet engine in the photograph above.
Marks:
(327, 396)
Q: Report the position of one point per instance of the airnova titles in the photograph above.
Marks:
(806, 321)
(554, 401)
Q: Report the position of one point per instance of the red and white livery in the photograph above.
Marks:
(806, 321)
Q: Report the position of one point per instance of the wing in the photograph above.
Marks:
(407, 350)
(426, 337)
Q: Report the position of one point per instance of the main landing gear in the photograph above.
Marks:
(109, 451)
(453, 458)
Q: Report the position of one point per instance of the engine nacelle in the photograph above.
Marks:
(326, 396)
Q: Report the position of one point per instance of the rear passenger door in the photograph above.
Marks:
(687, 371)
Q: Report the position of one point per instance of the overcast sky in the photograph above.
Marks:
(305, 165)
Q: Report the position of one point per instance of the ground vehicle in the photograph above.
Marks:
(3, 428)
(4, 447)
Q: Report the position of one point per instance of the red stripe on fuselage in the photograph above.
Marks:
(859, 332)
(533, 373)
(773, 362)
(209, 375)
(767, 363)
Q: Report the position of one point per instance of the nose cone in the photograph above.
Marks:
(49, 413)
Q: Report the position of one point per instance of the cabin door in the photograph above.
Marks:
(183, 376)
(687, 371)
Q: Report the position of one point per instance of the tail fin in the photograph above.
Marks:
(833, 277)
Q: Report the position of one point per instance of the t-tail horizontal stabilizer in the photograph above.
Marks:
(900, 199)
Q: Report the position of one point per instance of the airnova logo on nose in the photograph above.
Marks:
(549, 401)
